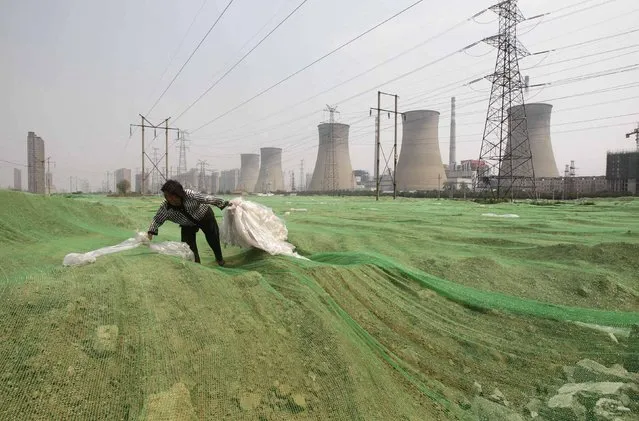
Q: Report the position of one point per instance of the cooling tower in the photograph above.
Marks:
(333, 170)
(270, 178)
(249, 172)
(420, 164)
(538, 125)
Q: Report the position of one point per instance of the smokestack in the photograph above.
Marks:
(453, 135)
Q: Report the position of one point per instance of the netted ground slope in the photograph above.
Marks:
(371, 328)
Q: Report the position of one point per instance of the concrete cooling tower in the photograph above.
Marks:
(249, 172)
(538, 125)
(420, 164)
(333, 170)
(270, 178)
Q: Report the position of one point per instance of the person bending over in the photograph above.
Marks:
(192, 212)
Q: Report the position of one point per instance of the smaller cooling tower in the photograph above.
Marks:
(420, 164)
(270, 178)
(249, 172)
(333, 170)
(538, 126)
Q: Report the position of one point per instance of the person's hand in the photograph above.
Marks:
(148, 234)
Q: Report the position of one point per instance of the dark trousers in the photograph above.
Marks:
(211, 231)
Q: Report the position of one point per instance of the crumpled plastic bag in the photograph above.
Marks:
(248, 224)
(171, 248)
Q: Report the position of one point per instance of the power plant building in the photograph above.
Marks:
(17, 179)
(35, 161)
(420, 164)
(249, 172)
(270, 178)
(333, 170)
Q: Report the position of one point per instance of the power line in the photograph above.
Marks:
(179, 47)
(14, 163)
(240, 60)
(190, 57)
(401, 54)
(309, 65)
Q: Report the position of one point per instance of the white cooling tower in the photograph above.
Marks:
(538, 125)
(270, 178)
(420, 164)
(249, 172)
(333, 170)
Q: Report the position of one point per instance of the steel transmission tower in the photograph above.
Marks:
(506, 144)
(182, 169)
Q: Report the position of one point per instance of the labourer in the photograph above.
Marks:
(192, 212)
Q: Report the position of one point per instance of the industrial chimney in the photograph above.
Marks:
(420, 163)
(333, 170)
(249, 172)
(453, 137)
(270, 178)
(538, 126)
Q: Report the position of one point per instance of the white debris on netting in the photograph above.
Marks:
(298, 210)
(612, 331)
(505, 215)
(247, 224)
(171, 248)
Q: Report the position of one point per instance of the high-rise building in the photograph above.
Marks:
(138, 184)
(35, 161)
(622, 171)
(123, 174)
(17, 179)
(229, 180)
(215, 182)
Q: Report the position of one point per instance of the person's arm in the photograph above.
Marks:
(159, 218)
(207, 198)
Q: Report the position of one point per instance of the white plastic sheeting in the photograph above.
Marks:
(171, 248)
(505, 215)
(247, 224)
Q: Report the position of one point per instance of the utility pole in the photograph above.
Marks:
(505, 143)
(48, 175)
(144, 124)
(293, 181)
(636, 133)
(395, 151)
(302, 185)
(378, 143)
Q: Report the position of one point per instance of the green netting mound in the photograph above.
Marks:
(363, 331)
(485, 300)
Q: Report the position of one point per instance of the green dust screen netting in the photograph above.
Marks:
(402, 306)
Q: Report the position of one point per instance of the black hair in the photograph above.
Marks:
(175, 188)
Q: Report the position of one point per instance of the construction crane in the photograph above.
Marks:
(636, 133)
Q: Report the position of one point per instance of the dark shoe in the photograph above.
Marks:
(221, 262)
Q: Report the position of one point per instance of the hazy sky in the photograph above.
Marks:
(78, 72)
